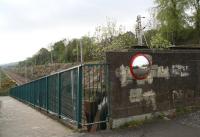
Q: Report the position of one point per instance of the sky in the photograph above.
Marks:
(28, 25)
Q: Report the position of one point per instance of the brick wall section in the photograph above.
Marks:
(174, 82)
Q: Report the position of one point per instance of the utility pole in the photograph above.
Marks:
(32, 67)
(0, 78)
(51, 55)
(26, 72)
(81, 48)
(139, 30)
(77, 52)
(52, 63)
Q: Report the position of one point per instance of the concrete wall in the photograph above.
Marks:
(174, 82)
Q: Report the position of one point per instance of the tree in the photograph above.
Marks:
(171, 15)
(149, 34)
(158, 41)
(58, 51)
(122, 41)
(42, 57)
(104, 34)
(71, 50)
(195, 5)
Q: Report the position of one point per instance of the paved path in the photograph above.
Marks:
(20, 120)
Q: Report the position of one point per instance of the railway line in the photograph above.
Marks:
(19, 80)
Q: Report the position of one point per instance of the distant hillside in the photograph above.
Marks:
(9, 64)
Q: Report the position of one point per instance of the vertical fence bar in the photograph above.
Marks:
(47, 95)
(59, 95)
(34, 94)
(79, 97)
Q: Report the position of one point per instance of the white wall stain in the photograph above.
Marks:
(150, 99)
(137, 95)
(148, 80)
(160, 72)
(124, 75)
(177, 94)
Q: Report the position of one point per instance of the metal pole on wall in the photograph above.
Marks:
(139, 30)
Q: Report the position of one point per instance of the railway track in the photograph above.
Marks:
(19, 80)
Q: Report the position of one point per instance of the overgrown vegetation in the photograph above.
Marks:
(179, 20)
(5, 84)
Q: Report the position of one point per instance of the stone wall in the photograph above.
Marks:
(174, 81)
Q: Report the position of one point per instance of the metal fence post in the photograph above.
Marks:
(47, 94)
(34, 94)
(59, 95)
(79, 98)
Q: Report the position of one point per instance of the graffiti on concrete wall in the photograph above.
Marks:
(160, 72)
(180, 70)
(124, 74)
(138, 95)
(156, 72)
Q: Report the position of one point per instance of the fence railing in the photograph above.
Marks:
(78, 94)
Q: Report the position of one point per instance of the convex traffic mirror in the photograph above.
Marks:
(140, 66)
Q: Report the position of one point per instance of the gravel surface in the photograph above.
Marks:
(192, 120)
(20, 120)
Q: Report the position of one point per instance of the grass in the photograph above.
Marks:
(139, 123)
(133, 124)
(180, 111)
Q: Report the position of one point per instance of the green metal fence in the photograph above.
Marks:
(78, 94)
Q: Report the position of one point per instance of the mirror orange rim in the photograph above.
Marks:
(131, 66)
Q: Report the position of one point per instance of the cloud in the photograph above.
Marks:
(28, 25)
